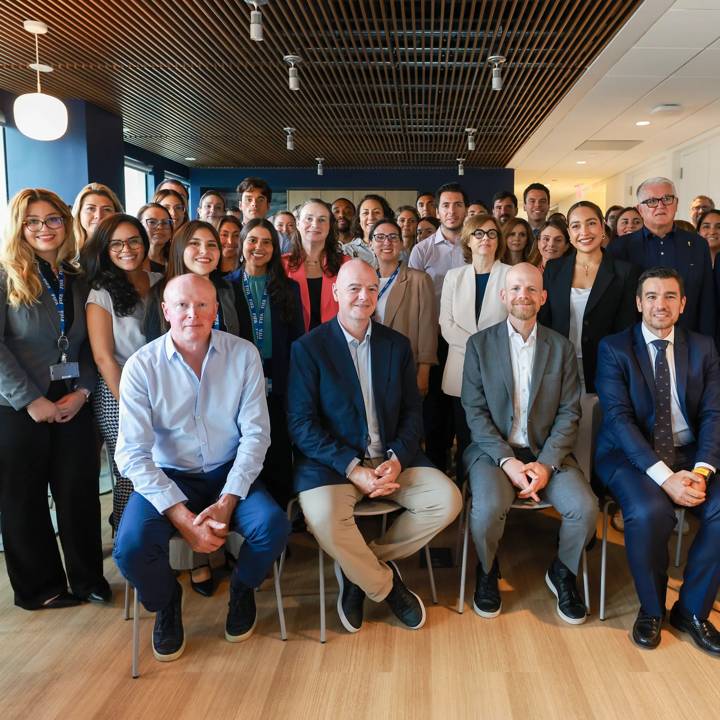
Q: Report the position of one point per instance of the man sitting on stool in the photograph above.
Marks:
(659, 388)
(521, 396)
(355, 419)
(194, 430)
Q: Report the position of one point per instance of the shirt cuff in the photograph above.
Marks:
(351, 466)
(659, 472)
(165, 499)
(502, 461)
(236, 485)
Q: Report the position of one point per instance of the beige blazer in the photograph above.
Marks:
(410, 309)
(457, 316)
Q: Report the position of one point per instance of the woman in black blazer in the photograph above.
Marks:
(268, 299)
(589, 294)
(46, 377)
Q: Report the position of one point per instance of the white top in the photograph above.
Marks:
(127, 331)
(382, 302)
(578, 301)
(522, 357)
(358, 249)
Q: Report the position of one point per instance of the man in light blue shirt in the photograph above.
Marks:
(193, 434)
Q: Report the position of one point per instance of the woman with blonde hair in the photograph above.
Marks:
(92, 204)
(46, 377)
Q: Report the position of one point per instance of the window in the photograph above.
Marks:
(136, 180)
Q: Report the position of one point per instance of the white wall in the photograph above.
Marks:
(395, 198)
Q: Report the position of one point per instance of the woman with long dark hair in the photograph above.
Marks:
(229, 229)
(370, 209)
(159, 228)
(175, 203)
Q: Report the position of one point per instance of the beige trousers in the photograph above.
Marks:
(431, 501)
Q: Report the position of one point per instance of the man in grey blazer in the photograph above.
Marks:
(521, 397)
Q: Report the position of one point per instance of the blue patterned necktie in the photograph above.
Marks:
(662, 432)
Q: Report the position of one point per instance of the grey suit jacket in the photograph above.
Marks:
(28, 345)
(487, 396)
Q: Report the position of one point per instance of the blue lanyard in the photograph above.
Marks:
(58, 298)
(387, 285)
(216, 324)
(258, 318)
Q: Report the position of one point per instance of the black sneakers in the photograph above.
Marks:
(350, 601)
(242, 614)
(486, 601)
(168, 640)
(406, 605)
(563, 586)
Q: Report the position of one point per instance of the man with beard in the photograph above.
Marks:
(504, 206)
(536, 203)
(521, 397)
(344, 212)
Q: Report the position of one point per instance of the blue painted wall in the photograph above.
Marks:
(159, 165)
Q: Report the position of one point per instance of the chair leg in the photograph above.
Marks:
(279, 601)
(321, 569)
(431, 574)
(126, 608)
(463, 564)
(461, 520)
(135, 635)
(603, 558)
(678, 547)
(586, 581)
(383, 526)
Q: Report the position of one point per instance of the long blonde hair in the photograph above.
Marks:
(17, 257)
(91, 189)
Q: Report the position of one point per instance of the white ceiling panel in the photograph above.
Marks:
(652, 62)
(705, 65)
(683, 28)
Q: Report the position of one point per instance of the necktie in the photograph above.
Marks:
(662, 432)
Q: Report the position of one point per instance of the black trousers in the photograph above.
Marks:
(277, 472)
(438, 413)
(462, 432)
(62, 455)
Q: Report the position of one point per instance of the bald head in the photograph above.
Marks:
(190, 307)
(523, 294)
(356, 291)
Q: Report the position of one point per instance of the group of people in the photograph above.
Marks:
(338, 353)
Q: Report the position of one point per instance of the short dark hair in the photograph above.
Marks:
(255, 183)
(453, 187)
(502, 194)
(210, 192)
(662, 273)
(423, 194)
(702, 217)
(408, 208)
(344, 199)
(612, 208)
(535, 186)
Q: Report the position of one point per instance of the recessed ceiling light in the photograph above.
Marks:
(581, 162)
(190, 159)
(642, 123)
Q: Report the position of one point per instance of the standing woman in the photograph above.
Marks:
(628, 221)
(175, 204)
(517, 235)
(406, 298)
(113, 260)
(708, 226)
(229, 229)
(314, 262)
(370, 209)
(46, 377)
(553, 241)
(92, 204)
(270, 316)
(158, 225)
(408, 219)
(470, 302)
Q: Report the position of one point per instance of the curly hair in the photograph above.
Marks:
(355, 229)
(333, 255)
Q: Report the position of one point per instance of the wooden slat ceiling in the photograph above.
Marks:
(383, 83)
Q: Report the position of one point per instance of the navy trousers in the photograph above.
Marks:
(143, 539)
(649, 517)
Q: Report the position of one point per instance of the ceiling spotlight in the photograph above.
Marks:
(294, 79)
(256, 26)
(642, 123)
(581, 162)
(37, 115)
(461, 166)
(471, 137)
(290, 138)
(496, 61)
(320, 168)
(191, 159)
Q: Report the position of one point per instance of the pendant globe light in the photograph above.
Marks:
(37, 115)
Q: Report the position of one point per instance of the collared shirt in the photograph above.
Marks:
(358, 249)
(659, 251)
(171, 419)
(522, 358)
(435, 255)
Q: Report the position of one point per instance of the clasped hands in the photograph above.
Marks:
(686, 488)
(205, 532)
(530, 478)
(65, 409)
(379, 481)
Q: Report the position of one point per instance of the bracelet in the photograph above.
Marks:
(705, 472)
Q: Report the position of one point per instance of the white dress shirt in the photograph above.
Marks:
(171, 419)
(522, 358)
(435, 255)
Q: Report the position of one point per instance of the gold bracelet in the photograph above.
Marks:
(705, 472)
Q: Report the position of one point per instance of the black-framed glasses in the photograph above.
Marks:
(481, 234)
(153, 223)
(51, 221)
(382, 237)
(117, 246)
(653, 202)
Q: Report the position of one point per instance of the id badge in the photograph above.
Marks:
(64, 371)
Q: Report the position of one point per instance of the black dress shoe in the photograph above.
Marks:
(487, 602)
(406, 605)
(646, 630)
(703, 632)
(62, 600)
(350, 601)
(204, 587)
(100, 594)
(168, 639)
(242, 614)
(563, 586)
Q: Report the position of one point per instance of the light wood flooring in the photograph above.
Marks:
(527, 663)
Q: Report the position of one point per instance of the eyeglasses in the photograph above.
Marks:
(481, 234)
(117, 246)
(53, 222)
(653, 202)
(175, 208)
(382, 237)
(152, 223)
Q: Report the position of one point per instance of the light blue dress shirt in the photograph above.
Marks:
(171, 419)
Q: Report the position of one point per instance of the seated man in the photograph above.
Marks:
(194, 429)
(521, 396)
(659, 388)
(355, 419)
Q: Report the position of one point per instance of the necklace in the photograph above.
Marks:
(587, 266)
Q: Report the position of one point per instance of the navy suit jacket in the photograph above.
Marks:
(693, 263)
(625, 384)
(326, 412)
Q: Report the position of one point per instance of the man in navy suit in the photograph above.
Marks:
(660, 244)
(659, 387)
(355, 420)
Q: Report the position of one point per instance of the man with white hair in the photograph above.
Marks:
(660, 244)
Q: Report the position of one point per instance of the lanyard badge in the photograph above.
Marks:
(62, 370)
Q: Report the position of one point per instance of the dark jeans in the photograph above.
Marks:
(438, 413)
(143, 539)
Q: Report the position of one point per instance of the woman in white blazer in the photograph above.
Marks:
(470, 302)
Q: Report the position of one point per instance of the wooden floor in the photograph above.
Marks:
(527, 663)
